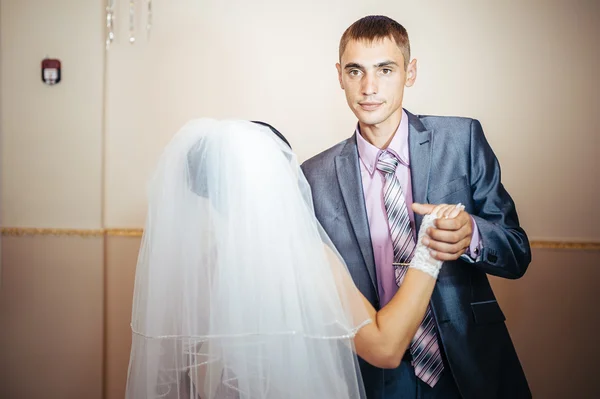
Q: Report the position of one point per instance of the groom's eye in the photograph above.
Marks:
(354, 72)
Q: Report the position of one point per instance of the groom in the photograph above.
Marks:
(370, 192)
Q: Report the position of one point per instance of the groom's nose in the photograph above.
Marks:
(369, 84)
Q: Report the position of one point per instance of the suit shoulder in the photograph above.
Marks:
(325, 158)
(451, 123)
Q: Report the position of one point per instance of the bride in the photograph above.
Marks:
(239, 293)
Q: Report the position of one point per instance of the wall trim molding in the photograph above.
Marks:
(579, 245)
(43, 231)
(137, 232)
(46, 231)
(133, 232)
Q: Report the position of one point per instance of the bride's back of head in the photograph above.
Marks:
(231, 159)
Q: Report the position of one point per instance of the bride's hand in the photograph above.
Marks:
(452, 233)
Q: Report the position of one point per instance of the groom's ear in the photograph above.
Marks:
(338, 66)
(411, 73)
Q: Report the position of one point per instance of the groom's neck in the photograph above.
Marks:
(379, 135)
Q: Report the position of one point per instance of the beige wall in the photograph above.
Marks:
(78, 155)
(51, 152)
(51, 318)
(525, 69)
(1, 135)
(552, 318)
(121, 256)
(52, 288)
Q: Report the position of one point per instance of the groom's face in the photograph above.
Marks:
(373, 77)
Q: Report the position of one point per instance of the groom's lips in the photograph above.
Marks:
(370, 106)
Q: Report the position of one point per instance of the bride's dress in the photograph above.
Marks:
(236, 293)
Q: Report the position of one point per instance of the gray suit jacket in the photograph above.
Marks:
(451, 162)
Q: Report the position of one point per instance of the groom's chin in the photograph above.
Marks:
(370, 118)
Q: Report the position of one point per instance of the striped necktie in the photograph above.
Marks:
(424, 348)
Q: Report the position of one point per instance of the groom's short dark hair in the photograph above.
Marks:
(377, 27)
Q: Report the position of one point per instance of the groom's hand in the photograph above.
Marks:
(452, 233)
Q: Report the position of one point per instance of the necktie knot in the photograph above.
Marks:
(387, 162)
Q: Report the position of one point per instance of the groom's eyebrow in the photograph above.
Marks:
(386, 63)
(353, 65)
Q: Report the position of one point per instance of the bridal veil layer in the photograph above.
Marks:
(239, 293)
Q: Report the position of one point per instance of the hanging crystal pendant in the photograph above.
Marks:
(149, 17)
(110, 20)
(110, 23)
(132, 21)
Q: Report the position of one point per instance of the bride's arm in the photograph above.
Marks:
(384, 341)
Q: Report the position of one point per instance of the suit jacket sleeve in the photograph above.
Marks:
(506, 251)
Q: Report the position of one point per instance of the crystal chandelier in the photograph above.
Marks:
(111, 6)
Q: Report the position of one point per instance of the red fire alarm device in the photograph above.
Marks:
(50, 71)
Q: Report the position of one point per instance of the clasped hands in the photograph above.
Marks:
(451, 235)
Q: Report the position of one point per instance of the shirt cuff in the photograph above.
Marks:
(474, 250)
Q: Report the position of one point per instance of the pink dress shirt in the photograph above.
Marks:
(373, 181)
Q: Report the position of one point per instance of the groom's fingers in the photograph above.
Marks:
(441, 210)
(445, 256)
(456, 223)
(447, 251)
(452, 234)
(449, 237)
(426, 209)
(423, 209)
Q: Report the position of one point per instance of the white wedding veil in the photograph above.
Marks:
(239, 293)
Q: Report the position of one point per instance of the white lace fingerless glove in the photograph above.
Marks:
(422, 258)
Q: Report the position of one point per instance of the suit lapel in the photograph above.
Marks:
(350, 181)
(420, 144)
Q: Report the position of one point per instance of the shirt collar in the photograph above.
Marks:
(369, 154)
